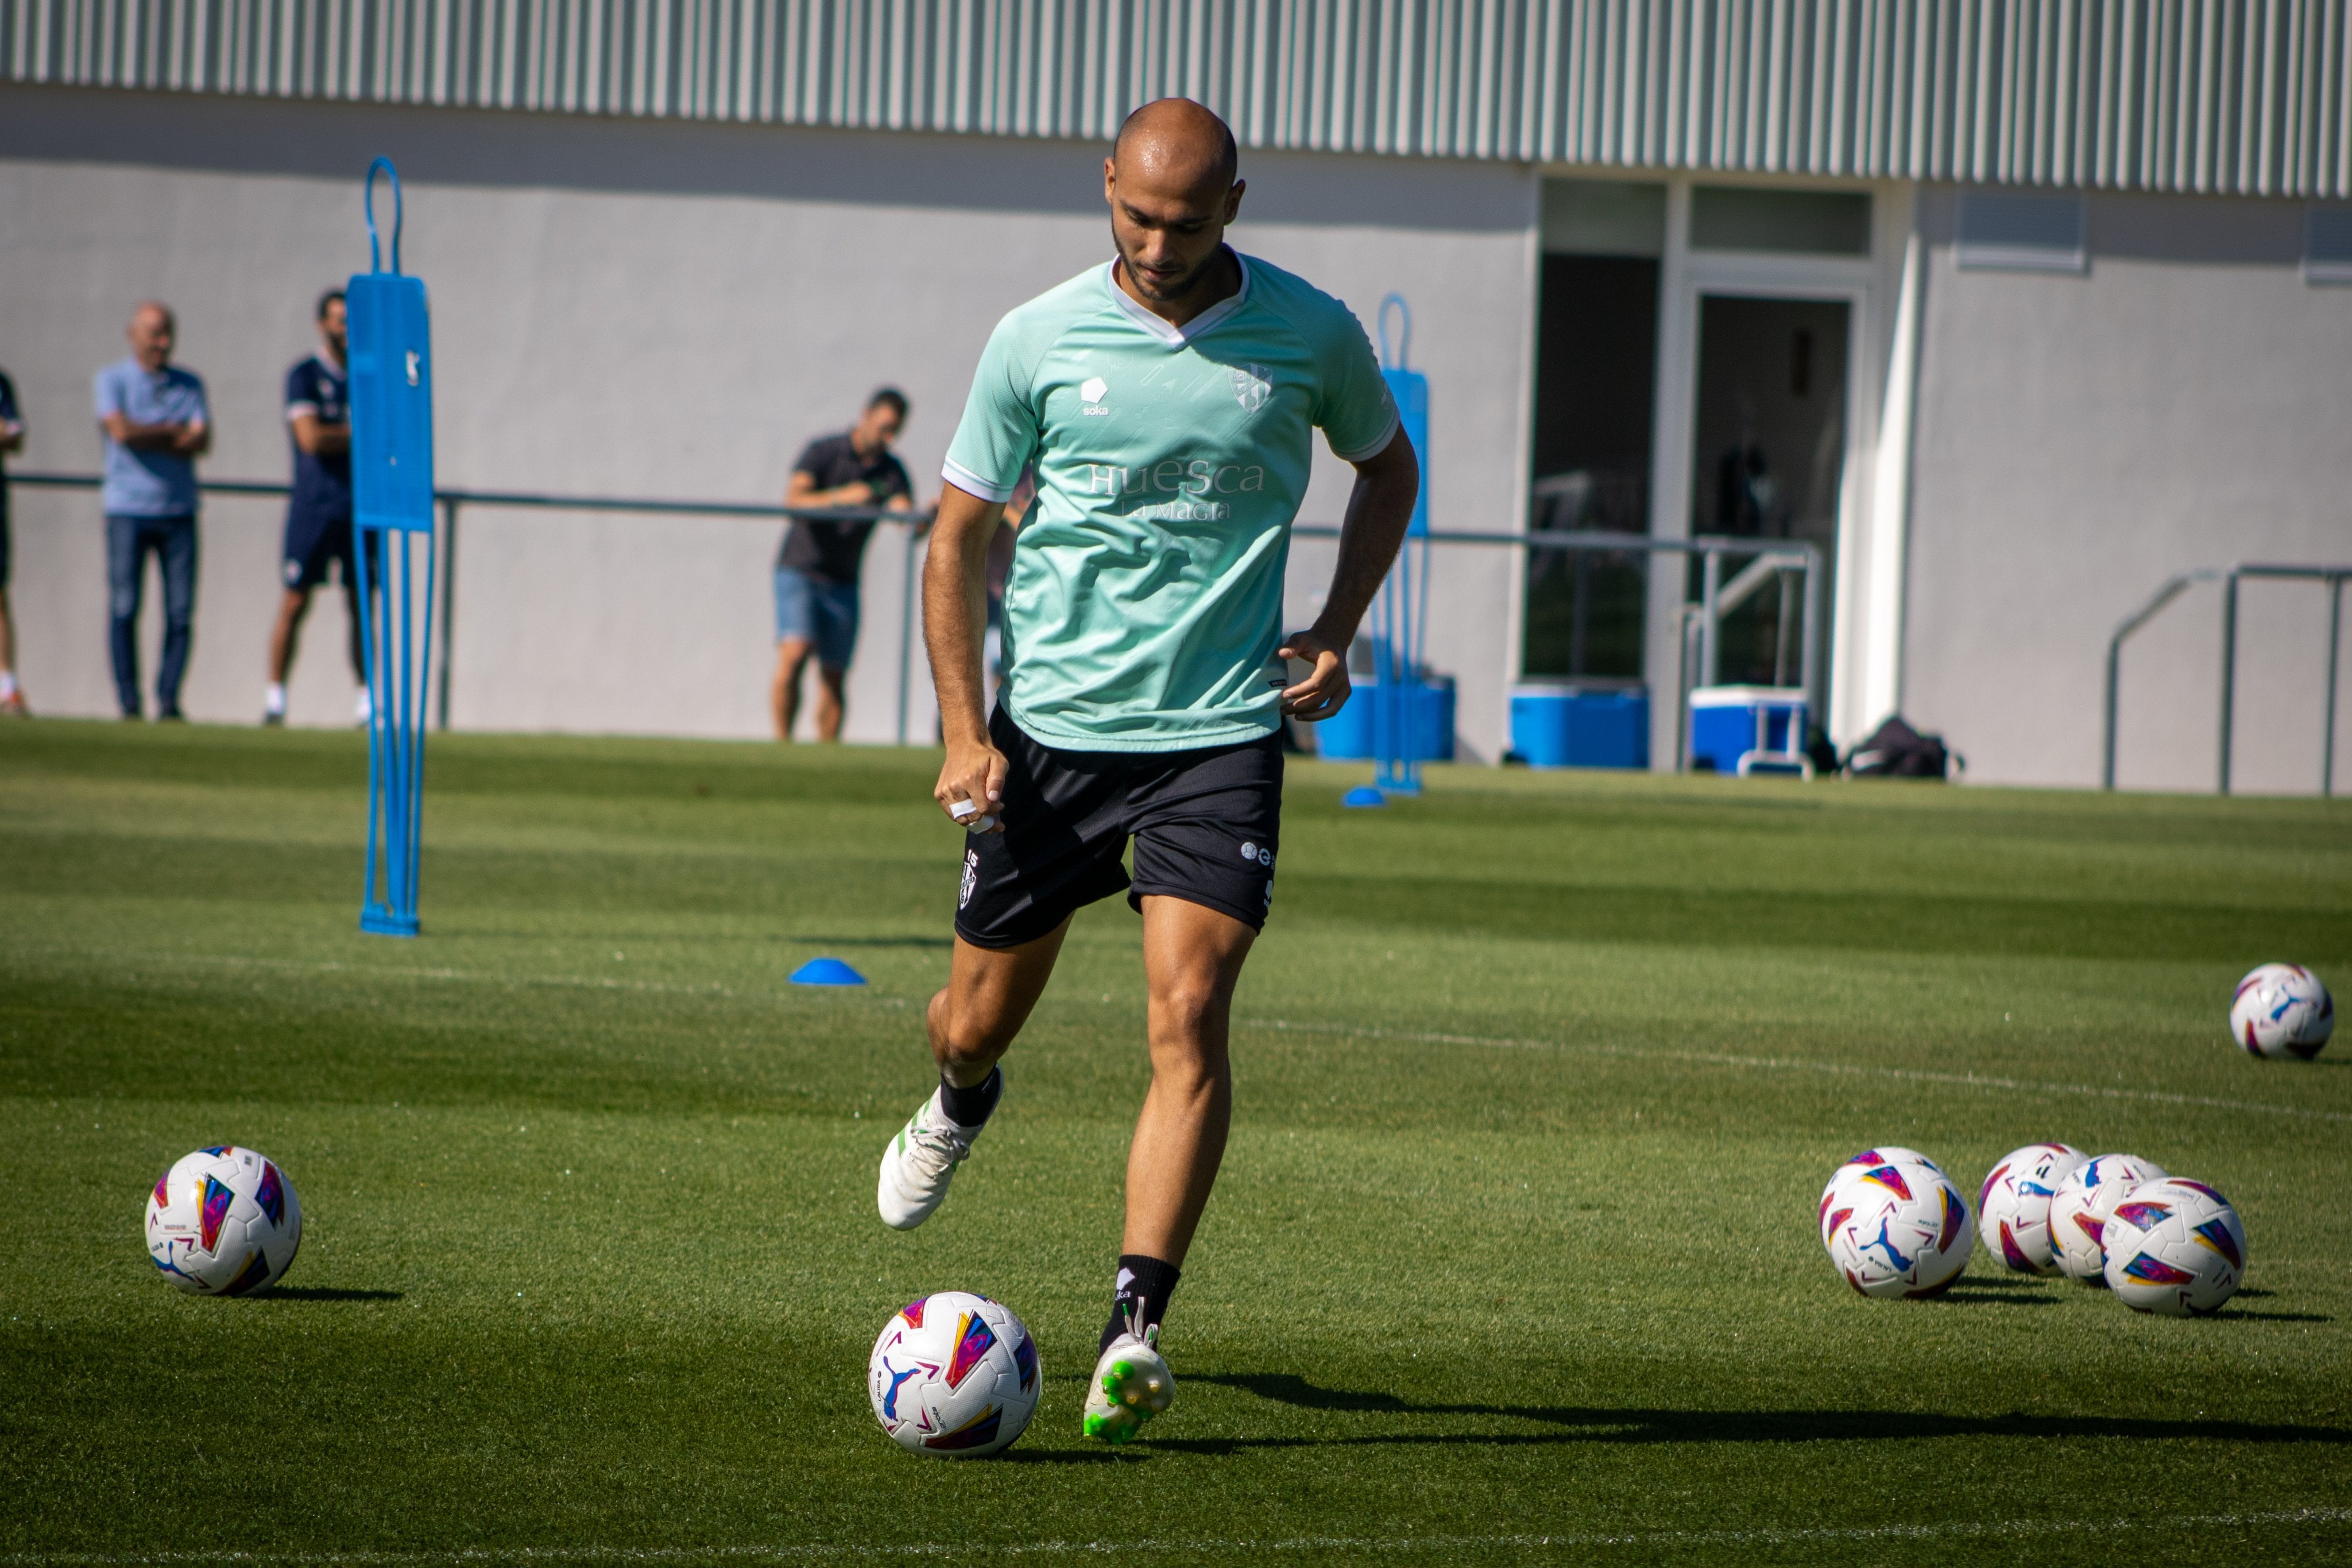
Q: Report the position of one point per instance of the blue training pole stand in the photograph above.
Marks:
(1401, 612)
(391, 506)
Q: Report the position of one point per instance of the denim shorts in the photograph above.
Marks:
(824, 612)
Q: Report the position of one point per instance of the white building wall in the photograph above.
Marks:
(2079, 439)
(661, 311)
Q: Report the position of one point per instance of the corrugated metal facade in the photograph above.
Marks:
(2245, 96)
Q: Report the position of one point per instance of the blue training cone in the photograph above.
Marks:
(827, 972)
(1364, 795)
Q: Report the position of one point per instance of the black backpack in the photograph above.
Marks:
(1896, 750)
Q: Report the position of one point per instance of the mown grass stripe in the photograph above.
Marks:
(1795, 1064)
(1688, 1539)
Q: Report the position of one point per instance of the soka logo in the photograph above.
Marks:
(1091, 394)
(1252, 384)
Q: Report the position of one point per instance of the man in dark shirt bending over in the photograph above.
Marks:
(816, 573)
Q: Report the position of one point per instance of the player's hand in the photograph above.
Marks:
(972, 787)
(857, 493)
(1325, 690)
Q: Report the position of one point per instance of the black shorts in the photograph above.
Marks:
(310, 543)
(1206, 824)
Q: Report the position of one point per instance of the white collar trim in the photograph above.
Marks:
(1207, 321)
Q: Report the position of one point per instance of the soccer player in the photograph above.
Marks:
(319, 511)
(12, 441)
(155, 424)
(816, 571)
(1167, 400)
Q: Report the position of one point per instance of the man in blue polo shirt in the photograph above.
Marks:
(155, 424)
(319, 509)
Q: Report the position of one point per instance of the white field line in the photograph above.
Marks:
(1796, 1064)
(1705, 1058)
(1960, 1529)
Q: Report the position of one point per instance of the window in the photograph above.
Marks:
(2327, 243)
(1603, 218)
(1814, 223)
(2006, 232)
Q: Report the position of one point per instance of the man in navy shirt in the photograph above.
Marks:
(816, 571)
(12, 440)
(155, 424)
(319, 511)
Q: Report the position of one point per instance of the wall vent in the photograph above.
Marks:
(2022, 233)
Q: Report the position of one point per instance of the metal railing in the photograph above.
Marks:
(1769, 560)
(452, 502)
(2333, 577)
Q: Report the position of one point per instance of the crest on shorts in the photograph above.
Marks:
(1252, 384)
(970, 877)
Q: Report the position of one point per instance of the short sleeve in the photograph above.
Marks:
(107, 392)
(196, 395)
(8, 413)
(812, 460)
(1358, 415)
(999, 434)
(301, 391)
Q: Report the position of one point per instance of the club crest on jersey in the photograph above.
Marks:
(1252, 384)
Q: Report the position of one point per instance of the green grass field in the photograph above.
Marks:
(1513, 1257)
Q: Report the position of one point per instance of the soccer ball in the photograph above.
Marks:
(1895, 1230)
(2079, 1208)
(953, 1373)
(2175, 1247)
(224, 1221)
(2014, 1209)
(2282, 1010)
(1892, 1154)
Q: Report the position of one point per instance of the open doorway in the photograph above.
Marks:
(1596, 366)
(1768, 454)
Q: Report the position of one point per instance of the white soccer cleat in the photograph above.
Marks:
(1132, 1384)
(919, 1165)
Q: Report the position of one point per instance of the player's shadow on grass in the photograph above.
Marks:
(328, 1293)
(1596, 1425)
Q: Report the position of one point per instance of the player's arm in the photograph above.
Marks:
(318, 437)
(955, 613)
(1380, 509)
(800, 490)
(125, 431)
(12, 437)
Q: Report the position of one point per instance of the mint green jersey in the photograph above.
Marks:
(1145, 600)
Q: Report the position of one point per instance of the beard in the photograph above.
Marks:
(1170, 290)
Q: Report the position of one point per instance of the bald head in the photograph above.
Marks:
(1179, 143)
(1170, 184)
(151, 332)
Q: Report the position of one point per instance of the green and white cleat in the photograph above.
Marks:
(1132, 1384)
(919, 1165)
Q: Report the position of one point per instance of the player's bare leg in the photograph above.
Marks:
(292, 605)
(1193, 958)
(784, 687)
(830, 702)
(971, 1022)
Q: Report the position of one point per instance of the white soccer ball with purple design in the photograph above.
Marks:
(1896, 1228)
(2175, 1247)
(224, 1221)
(953, 1374)
(2282, 1010)
(2013, 1206)
(2080, 1208)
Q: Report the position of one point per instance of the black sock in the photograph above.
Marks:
(1140, 1296)
(970, 1107)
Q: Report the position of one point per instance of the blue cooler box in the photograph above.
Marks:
(1347, 736)
(1565, 727)
(1740, 729)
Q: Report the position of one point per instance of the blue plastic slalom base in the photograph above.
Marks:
(1363, 795)
(379, 921)
(827, 972)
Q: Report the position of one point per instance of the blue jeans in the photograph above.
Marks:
(128, 542)
(823, 613)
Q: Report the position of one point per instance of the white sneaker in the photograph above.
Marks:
(363, 709)
(1132, 1384)
(919, 1165)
